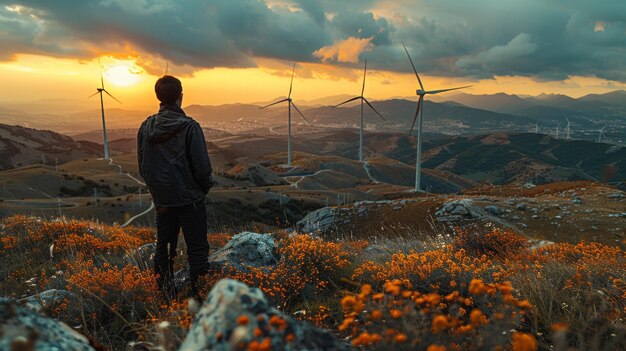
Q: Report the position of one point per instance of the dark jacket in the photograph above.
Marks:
(173, 158)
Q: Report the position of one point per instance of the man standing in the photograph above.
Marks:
(174, 162)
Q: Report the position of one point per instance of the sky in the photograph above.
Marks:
(228, 51)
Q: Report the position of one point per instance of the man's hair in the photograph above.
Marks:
(168, 89)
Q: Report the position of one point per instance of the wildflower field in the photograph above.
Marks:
(481, 290)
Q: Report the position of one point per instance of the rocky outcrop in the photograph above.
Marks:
(457, 211)
(323, 220)
(235, 316)
(246, 249)
(48, 299)
(21, 328)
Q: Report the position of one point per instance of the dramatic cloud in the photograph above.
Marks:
(549, 40)
(347, 50)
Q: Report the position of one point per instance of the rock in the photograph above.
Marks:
(142, 257)
(494, 210)
(246, 249)
(538, 244)
(615, 196)
(455, 210)
(322, 220)
(617, 215)
(48, 299)
(231, 313)
(21, 328)
(576, 201)
(521, 207)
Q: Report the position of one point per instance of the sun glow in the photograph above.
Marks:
(123, 73)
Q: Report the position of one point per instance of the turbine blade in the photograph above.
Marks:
(417, 111)
(273, 103)
(113, 97)
(101, 77)
(92, 95)
(167, 67)
(412, 65)
(291, 84)
(349, 100)
(372, 107)
(297, 109)
(444, 90)
(364, 75)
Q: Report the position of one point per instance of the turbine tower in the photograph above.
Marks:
(363, 99)
(104, 125)
(537, 128)
(601, 134)
(419, 112)
(567, 129)
(556, 133)
(289, 104)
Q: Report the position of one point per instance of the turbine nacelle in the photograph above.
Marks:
(420, 92)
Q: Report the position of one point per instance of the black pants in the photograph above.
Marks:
(193, 220)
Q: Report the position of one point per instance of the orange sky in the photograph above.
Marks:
(30, 78)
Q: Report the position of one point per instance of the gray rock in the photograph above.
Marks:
(494, 210)
(21, 328)
(538, 244)
(246, 249)
(216, 325)
(323, 220)
(615, 196)
(48, 299)
(521, 207)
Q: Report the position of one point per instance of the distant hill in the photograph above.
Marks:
(617, 97)
(503, 158)
(21, 146)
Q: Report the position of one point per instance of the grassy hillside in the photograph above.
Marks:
(482, 289)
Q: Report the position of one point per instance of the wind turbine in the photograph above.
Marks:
(567, 129)
(556, 133)
(601, 134)
(363, 99)
(289, 104)
(104, 125)
(537, 128)
(419, 112)
(167, 67)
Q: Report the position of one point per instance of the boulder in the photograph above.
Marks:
(536, 244)
(494, 210)
(456, 211)
(322, 220)
(21, 328)
(48, 299)
(233, 312)
(246, 249)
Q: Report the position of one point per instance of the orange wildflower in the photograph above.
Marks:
(243, 320)
(524, 342)
(478, 318)
(439, 324)
(400, 338)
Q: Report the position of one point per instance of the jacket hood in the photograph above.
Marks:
(165, 124)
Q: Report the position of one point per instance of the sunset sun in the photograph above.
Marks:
(123, 73)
